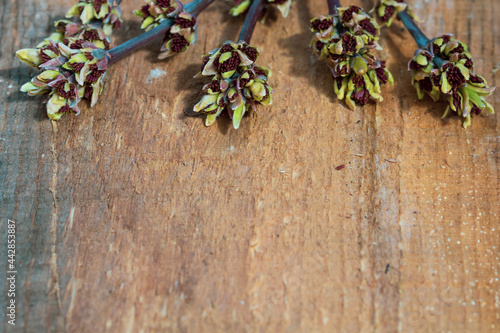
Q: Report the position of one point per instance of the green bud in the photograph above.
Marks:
(241, 8)
(421, 60)
(147, 21)
(73, 11)
(258, 90)
(78, 57)
(55, 104)
(466, 105)
(227, 75)
(87, 13)
(108, 29)
(467, 122)
(488, 107)
(268, 100)
(207, 104)
(359, 43)
(445, 86)
(103, 12)
(474, 97)
(232, 94)
(340, 91)
(359, 65)
(284, 7)
(225, 56)
(32, 89)
(48, 75)
(56, 37)
(376, 83)
(464, 70)
(266, 71)
(237, 115)
(481, 91)
(350, 84)
(29, 56)
(139, 13)
(420, 93)
(452, 104)
(29, 87)
(210, 119)
(371, 89)
(348, 100)
(390, 78)
(381, 11)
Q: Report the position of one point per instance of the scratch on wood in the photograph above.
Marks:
(71, 217)
(54, 275)
(74, 287)
(131, 319)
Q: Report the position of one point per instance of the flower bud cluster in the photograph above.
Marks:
(73, 34)
(106, 13)
(155, 12)
(387, 10)
(237, 85)
(181, 34)
(241, 6)
(68, 75)
(96, 21)
(454, 78)
(72, 60)
(345, 42)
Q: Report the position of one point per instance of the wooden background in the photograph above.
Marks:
(133, 217)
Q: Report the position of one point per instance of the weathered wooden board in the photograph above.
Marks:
(133, 217)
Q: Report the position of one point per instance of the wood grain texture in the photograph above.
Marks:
(133, 217)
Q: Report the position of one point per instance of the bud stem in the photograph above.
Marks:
(414, 30)
(418, 35)
(251, 20)
(333, 9)
(195, 7)
(199, 6)
(332, 6)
